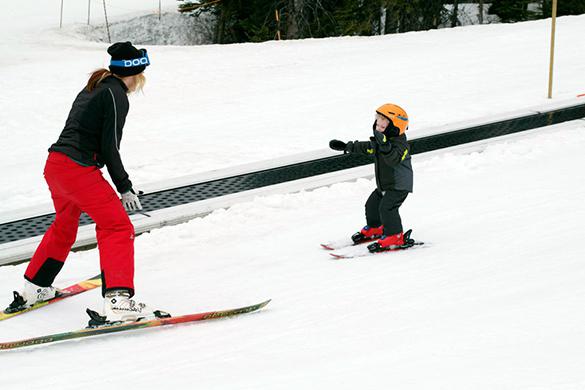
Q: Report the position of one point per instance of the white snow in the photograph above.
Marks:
(495, 302)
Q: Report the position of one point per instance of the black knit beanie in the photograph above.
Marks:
(127, 60)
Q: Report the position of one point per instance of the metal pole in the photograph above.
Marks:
(552, 48)
(159, 10)
(107, 25)
(88, 9)
(61, 18)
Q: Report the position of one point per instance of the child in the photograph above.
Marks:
(393, 170)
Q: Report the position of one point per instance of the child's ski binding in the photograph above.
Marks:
(408, 242)
(368, 233)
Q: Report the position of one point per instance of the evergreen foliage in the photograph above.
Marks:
(413, 15)
(512, 10)
(564, 7)
(255, 20)
(521, 10)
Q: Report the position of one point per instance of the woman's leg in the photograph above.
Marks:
(114, 230)
(56, 244)
(52, 252)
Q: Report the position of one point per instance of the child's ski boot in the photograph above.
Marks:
(368, 233)
(393, 242)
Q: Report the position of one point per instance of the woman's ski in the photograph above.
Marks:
(123, 327)
(67, 292)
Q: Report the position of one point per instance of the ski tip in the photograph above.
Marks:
(336, 256)
(326, 247)
(263, 304)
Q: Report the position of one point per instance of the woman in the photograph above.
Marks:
(90, 140)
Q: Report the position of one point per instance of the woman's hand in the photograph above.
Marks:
(130, 201)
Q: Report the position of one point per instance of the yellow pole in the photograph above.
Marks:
(552, 48)
(278, 24)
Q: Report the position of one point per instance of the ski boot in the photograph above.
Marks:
(393, 242)
(368, 233)
(119, 308)
(31, 295)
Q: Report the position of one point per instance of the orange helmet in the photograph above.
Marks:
(397, 116)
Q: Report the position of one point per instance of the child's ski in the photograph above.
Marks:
(87, 332)
(372, 249)
(355, 240)
(67, 292)
(344, 243)
(362, 251)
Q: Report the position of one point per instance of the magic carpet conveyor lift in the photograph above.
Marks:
(182, 200)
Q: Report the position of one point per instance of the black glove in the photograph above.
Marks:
(382, 142)
(336, 144)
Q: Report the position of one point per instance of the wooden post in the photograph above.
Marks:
(61, 18)
(107, 25)
(552, 48)
(277, 16)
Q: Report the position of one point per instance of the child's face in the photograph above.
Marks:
(381, 123)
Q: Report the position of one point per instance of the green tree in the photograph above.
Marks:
(360, 17)
(512, 10)
(413, 15)
(564, 7)
(254, 20)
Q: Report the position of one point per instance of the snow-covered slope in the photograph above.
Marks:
(494, 302)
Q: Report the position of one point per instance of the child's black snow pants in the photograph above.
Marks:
(382, 209)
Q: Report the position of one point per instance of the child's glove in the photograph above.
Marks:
(336, 144)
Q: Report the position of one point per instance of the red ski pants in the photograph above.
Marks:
(76, 188)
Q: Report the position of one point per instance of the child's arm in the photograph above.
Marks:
(363, 147)
(394, 151)
(358, 147)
